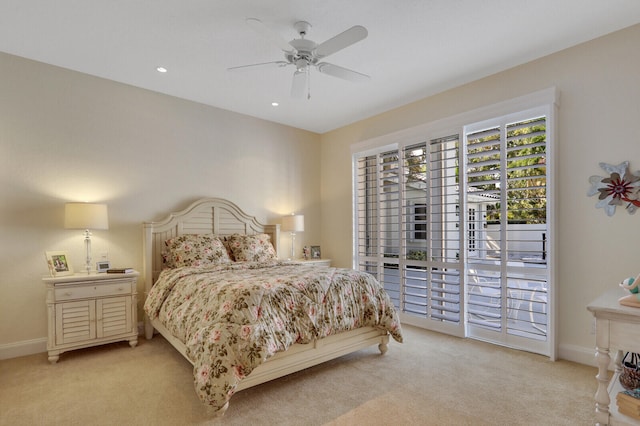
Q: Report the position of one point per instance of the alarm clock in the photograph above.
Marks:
(102, 266)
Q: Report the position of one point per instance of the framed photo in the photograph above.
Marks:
(58, 263)
(315, 252)
(103, 266)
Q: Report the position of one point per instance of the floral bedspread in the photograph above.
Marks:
(233, 317)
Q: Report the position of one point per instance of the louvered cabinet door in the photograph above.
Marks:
(113, 316)
(75, 321)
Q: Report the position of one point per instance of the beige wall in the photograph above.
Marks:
(66, 136)
(598, 116)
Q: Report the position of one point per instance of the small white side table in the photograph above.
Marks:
(90, 309)
(617, 327)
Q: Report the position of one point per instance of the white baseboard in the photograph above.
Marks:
(578, 354)
(23, 348)
(35, 346)
(573, 353)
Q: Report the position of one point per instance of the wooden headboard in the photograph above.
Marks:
(205, 216)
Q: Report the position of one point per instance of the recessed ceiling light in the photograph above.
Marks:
(274, 104)
(161, 69)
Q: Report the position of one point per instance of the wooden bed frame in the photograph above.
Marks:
(222, 217)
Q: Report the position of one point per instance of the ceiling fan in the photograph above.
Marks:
(305, 54)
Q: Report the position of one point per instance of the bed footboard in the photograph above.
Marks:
(299, 356)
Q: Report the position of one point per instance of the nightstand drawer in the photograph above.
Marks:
(89, 291)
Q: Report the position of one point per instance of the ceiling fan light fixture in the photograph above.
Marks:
(301, 64)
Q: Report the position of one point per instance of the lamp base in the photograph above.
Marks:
(293, 240)
(87, 246)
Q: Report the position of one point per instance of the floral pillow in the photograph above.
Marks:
(255, 248)
(194, 250)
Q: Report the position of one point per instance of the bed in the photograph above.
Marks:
(199, 299)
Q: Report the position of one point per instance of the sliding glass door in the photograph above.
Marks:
(457, 229)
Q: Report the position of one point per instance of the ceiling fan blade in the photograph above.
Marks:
(260, 65)
(340, 72)
(342, 40)
(270, 35)
(299, 84)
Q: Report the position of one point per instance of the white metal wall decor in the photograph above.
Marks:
(620, 188)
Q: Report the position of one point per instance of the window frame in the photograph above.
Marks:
(545, 100)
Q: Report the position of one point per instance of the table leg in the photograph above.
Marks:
(602, 395)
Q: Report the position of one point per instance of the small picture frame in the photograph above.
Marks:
(102, 266)
(315, 252)
(58, 263)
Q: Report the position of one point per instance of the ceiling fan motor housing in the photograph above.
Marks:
(303, 55)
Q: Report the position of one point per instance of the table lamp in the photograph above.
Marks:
(86, 216)
(293, 223)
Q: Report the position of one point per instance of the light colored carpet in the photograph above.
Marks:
(431, 379)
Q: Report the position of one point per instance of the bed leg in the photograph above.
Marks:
(148, 330)
(384, 343)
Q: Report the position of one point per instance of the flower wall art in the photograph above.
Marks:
(619, 188)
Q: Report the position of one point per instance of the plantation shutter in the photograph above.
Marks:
(378, 224)
(408, 229)
(430, 271)
(506, 230)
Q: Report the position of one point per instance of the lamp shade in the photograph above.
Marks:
(86, 216)
(293, 223)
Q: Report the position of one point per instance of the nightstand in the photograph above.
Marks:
(314, 262)
(88, 310)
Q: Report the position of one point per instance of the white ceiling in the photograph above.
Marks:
(415, 48)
